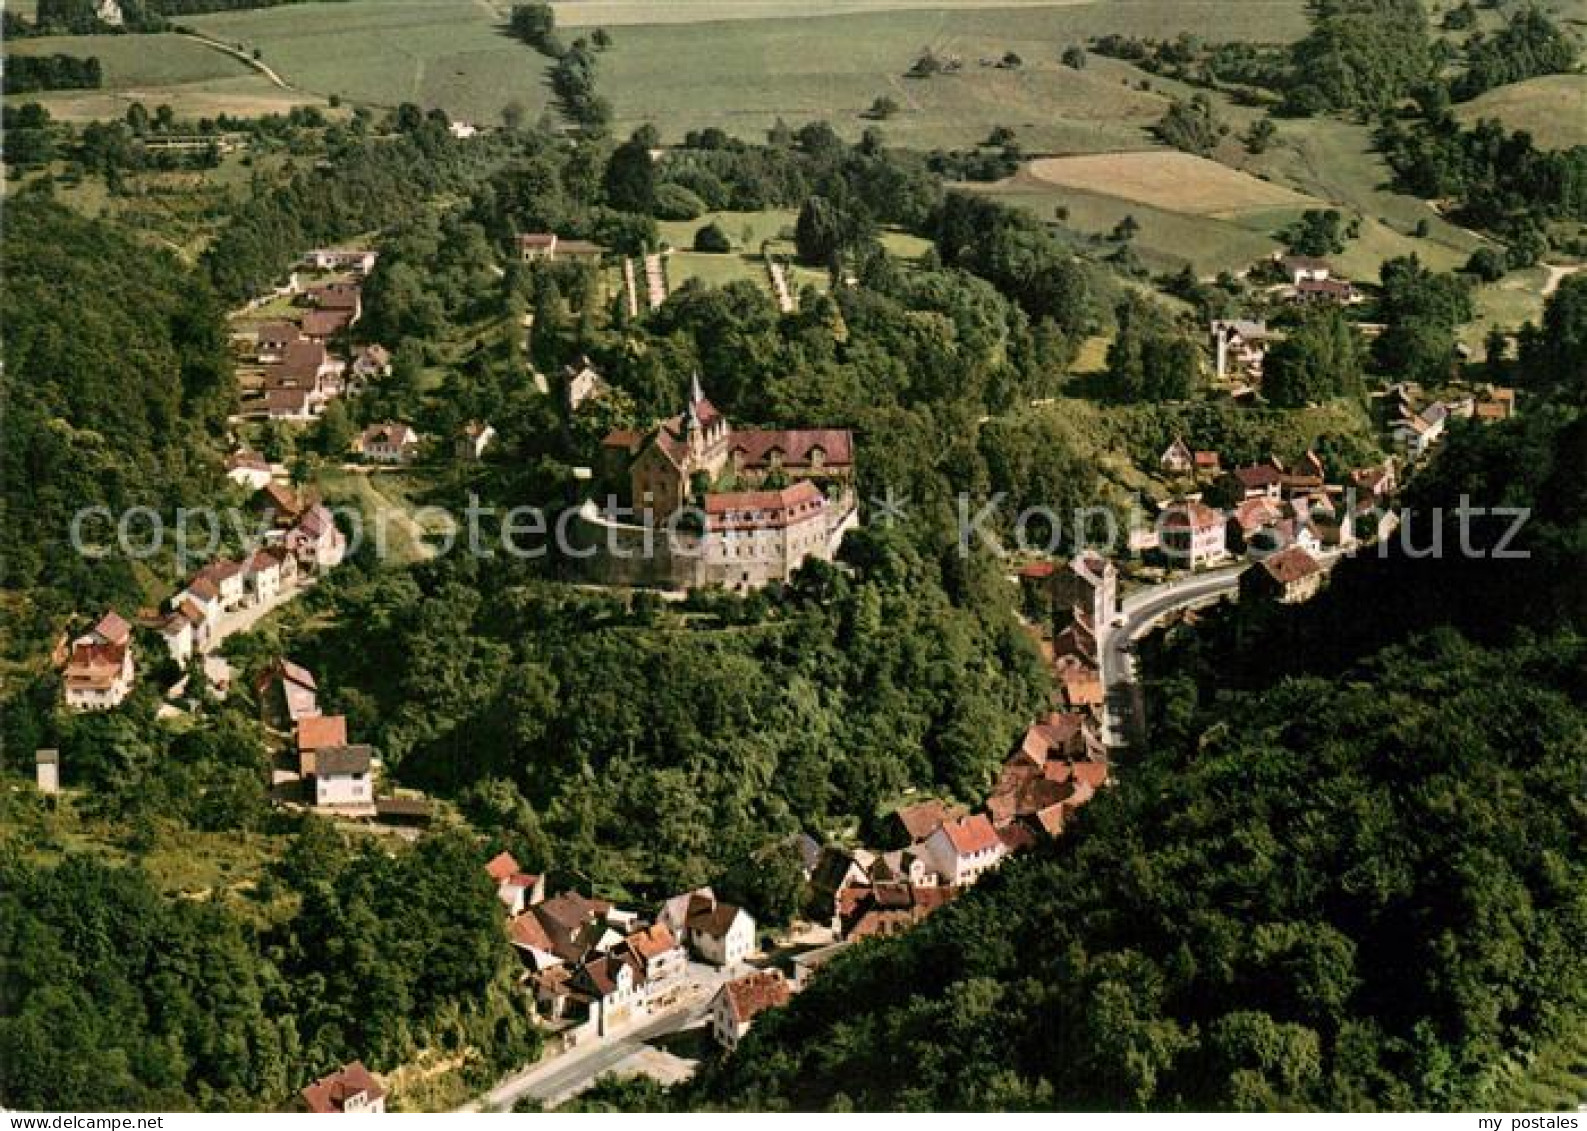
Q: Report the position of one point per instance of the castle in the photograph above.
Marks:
(756, 503)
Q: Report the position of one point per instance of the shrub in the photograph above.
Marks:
(674, 202)
(711, 238)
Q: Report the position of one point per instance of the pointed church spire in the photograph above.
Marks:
(696, 394)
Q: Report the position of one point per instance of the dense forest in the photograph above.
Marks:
(117, 385)
(120, 997)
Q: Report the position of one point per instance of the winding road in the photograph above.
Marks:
(1141, 611)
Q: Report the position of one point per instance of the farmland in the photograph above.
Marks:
(741, 64)
(447, 53)
(1176, 182)
(195, 79)
(1540, 106)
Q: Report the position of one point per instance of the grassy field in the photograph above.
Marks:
(388, 499)
(454, 54)
(748, 231)
(834, 67)
(1166, 240)
(1168, 180)
(1553, 109)
(195, 80)
(740, 64)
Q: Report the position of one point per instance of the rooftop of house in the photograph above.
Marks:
(113, 627)
(654, 940)
(715, 920)
(329, 1094)
(755, 993)
(970, 835)
(1191, 514)
(320, 731)
(923, 818)
(501, 866)
(345, 759)
(1291, 565)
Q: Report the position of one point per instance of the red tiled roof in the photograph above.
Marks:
(1291, 565)
(1037, 571)
(755, 993)
(653, 940)
(329, 1095)
(526, 931)
(923, 818)
(970, 835)
(1191, 514)
(320, 731)
(113, 627)
(796, 445)
(501, 866)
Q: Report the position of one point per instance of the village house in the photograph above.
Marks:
(615, 994)
(99, 671)
(1374, 484)
(316, 733)
(273, 339)
(521, 891)
(548, 246)
(320, 326)
(720, 933)
(248, 469)
(227, 579)
(910, 867)
(280, 504)
(342, 298)
(389, 442)
(1416, 433)
(351, 1090)
(740, 1001)
(1177, 458)
(1300, 269)
(472, 440)
(287, 693)
(888, 908)
(918, 821)
(344, 777)
(1192, 535)
(659, 956)
(293, 404)
(1340, 291)
(1258, 480)
(581, 382)
(1208, 464)
(1289, 577)
(1239, 347)
(180, 632)
(269, 571)
(361, 261)
(316, 541)
(961, 851)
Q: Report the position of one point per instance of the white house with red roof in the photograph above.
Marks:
(962, 851)
(740, 1001)
(350, 1090)
(99, 670)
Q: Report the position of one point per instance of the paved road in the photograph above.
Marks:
(558, 1079)
(1141, 610)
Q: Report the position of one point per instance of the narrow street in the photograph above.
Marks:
(555, 1080)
